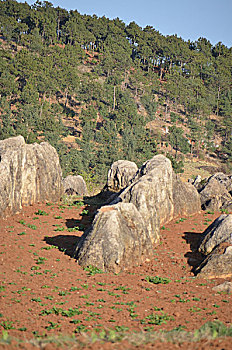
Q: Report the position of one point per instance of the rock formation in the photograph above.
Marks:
(28, 174)
(120, 174)
(155, 196)
(215, 192)
(117, 239)
(217, 248)
(74, 185)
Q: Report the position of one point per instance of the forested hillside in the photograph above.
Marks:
(100, 90)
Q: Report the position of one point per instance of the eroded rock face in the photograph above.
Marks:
(28, 174)
(122, 233)
(217, 247)
(218, 264)
(117, 240)
(151, 193)
(215, 192)
(218, 232)
(120, 175)
(74, 185)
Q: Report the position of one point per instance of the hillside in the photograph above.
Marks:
(100, 90)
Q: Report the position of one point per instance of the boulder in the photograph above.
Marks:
(185, 198)
(160, 195)
(215, 192)
(28, 174)
(218, 232)
(122, 233)
(217, 248)
(120, 174)
(74, 185)
(225, 287)
(218, 264)
(117, 240)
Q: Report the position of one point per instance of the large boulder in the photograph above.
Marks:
(120, 174)
(74, 185)
(217, 248)
(122, 233)
(218, 264)
(218, 232)
(118, 239)
(160, 195)
(215, 192)
(28, 174)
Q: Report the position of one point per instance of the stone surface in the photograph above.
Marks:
(218, 232)
(218, 264)
(28, 174)
(224, 287)
(217, 248)
(120, 174)
(117, 239)
(154, 197)
(185, 198)
(215, 192)
(151, 193)
(74, 185)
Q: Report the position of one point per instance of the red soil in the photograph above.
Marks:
(37, 278)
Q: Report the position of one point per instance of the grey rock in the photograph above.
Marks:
(224, 287)
(122, 234)
(117, 239)
(152, 195)
(215, 192)
(218, 232)
(28, 174)
(74, 185)
(120, 174)
(185, 198)
(217, 264)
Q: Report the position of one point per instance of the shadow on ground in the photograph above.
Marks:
(65, 243)
(195, 258)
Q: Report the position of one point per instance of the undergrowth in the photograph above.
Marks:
(209, 331)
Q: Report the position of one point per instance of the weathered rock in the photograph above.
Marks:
(74, 185)
(160, 195)
(215, 192)
(218, 232)
(152, 194)
(224, 287)
(28, 174)
(218, 264)
(120, 174)
(117, 240)
(123, 232)
(217, 247)
(185, 198)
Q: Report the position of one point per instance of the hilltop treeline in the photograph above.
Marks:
(111, 79)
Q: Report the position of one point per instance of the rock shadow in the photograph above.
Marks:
(65, 243)
(195, 258)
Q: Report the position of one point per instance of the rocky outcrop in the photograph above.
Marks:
(218, 232)
(117, 240)
(28, 174)
(224, 287)
(74, 185)
(120, 174)
(218, 264)
(215, 192)
(153, 198)
(217, 248)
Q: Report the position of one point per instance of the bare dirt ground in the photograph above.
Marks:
(44, 292)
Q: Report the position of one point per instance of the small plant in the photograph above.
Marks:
(92, 270)
(73, 229)
(21, 233)
(33, 227)
(7, 325)
(156, 319)
(157, 280)
(41, 212)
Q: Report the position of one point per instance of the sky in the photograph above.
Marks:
(189, 19)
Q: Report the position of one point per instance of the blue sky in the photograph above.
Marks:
(189, 19)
